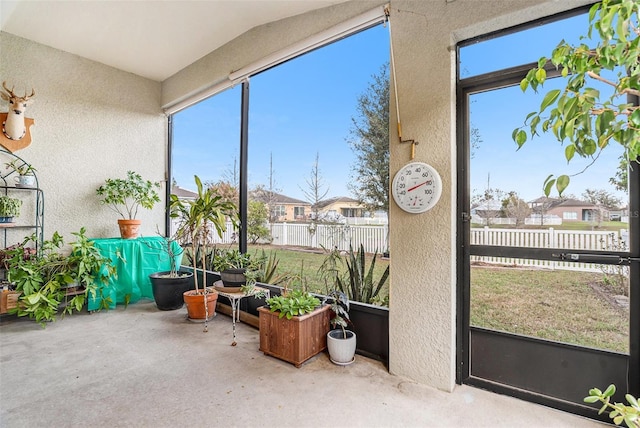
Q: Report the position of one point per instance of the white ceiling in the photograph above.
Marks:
(150, 38)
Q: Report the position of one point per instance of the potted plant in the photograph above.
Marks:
(341, 342)
(199, 218)
(125, 197)
(25, 172)
(358, 281)
(50, 280)
(232, 265)
(9, 208)
(169, 286)
(293, 326)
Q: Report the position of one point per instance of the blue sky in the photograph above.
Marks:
(297, 109)
(304, 107)
(495, 114)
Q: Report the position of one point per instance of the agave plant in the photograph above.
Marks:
(358, 282)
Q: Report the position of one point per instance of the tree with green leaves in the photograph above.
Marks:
(621, 179)
(585, 117)
(257, 217)
(601, 197)
(369, 140)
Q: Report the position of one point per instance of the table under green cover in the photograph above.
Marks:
(138, 258)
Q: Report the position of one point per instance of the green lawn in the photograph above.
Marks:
(556, 305)
(306, 262)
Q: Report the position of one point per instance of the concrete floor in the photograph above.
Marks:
(142, 367)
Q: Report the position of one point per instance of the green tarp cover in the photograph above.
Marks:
(138, 258)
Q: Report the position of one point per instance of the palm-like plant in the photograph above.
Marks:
(199, 218)
(358, 282)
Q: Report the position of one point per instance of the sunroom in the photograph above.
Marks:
(110, 79)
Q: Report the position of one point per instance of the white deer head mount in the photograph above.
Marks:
(15, 126)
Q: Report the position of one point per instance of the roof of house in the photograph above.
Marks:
(490, 205)
(331, 201)
(544, 200)
(574, 203)
(182, 193)
(277, 198)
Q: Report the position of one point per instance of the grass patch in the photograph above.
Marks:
(558, 305)
(554, 305)
(308, 261)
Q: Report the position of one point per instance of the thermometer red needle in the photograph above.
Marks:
(416, 186)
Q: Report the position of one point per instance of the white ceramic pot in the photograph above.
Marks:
(25, 181)
(342, 350)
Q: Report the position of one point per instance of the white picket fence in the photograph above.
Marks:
(372, 237)
(548, 238)
(376, 238)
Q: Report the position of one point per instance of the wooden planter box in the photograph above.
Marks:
(8, 300)
(295, 340)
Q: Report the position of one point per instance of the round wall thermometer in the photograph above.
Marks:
(417, 187)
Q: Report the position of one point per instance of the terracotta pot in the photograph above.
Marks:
(195, 304)
(129, 229)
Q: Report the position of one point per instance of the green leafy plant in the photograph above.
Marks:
(356, 281)
(224, 259)
(20, 167)
(126, 196)
(43, 279)
(580, 113)
(267, 268)
(9, 207)
(199, 218)
(619, 412)
(340, 307)
(292, 303)
(257, 217)
(261, 265)
(173, 252)
(171, 249)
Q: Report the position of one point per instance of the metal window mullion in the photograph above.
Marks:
(244, 165)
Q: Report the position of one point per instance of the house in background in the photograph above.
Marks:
(339, 209)
(575, 210)
(282, 207)
(619, 214)
(183, 193)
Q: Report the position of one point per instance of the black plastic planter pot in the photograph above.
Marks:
(233, 277)
(168, 291)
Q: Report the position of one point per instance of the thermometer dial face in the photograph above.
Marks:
(417, 187)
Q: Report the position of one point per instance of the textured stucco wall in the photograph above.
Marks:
(423, 271)
(92, 122)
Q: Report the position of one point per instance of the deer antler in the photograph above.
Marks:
(9, 91)
(26, 97)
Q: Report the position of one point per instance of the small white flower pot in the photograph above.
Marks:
(341, 350)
